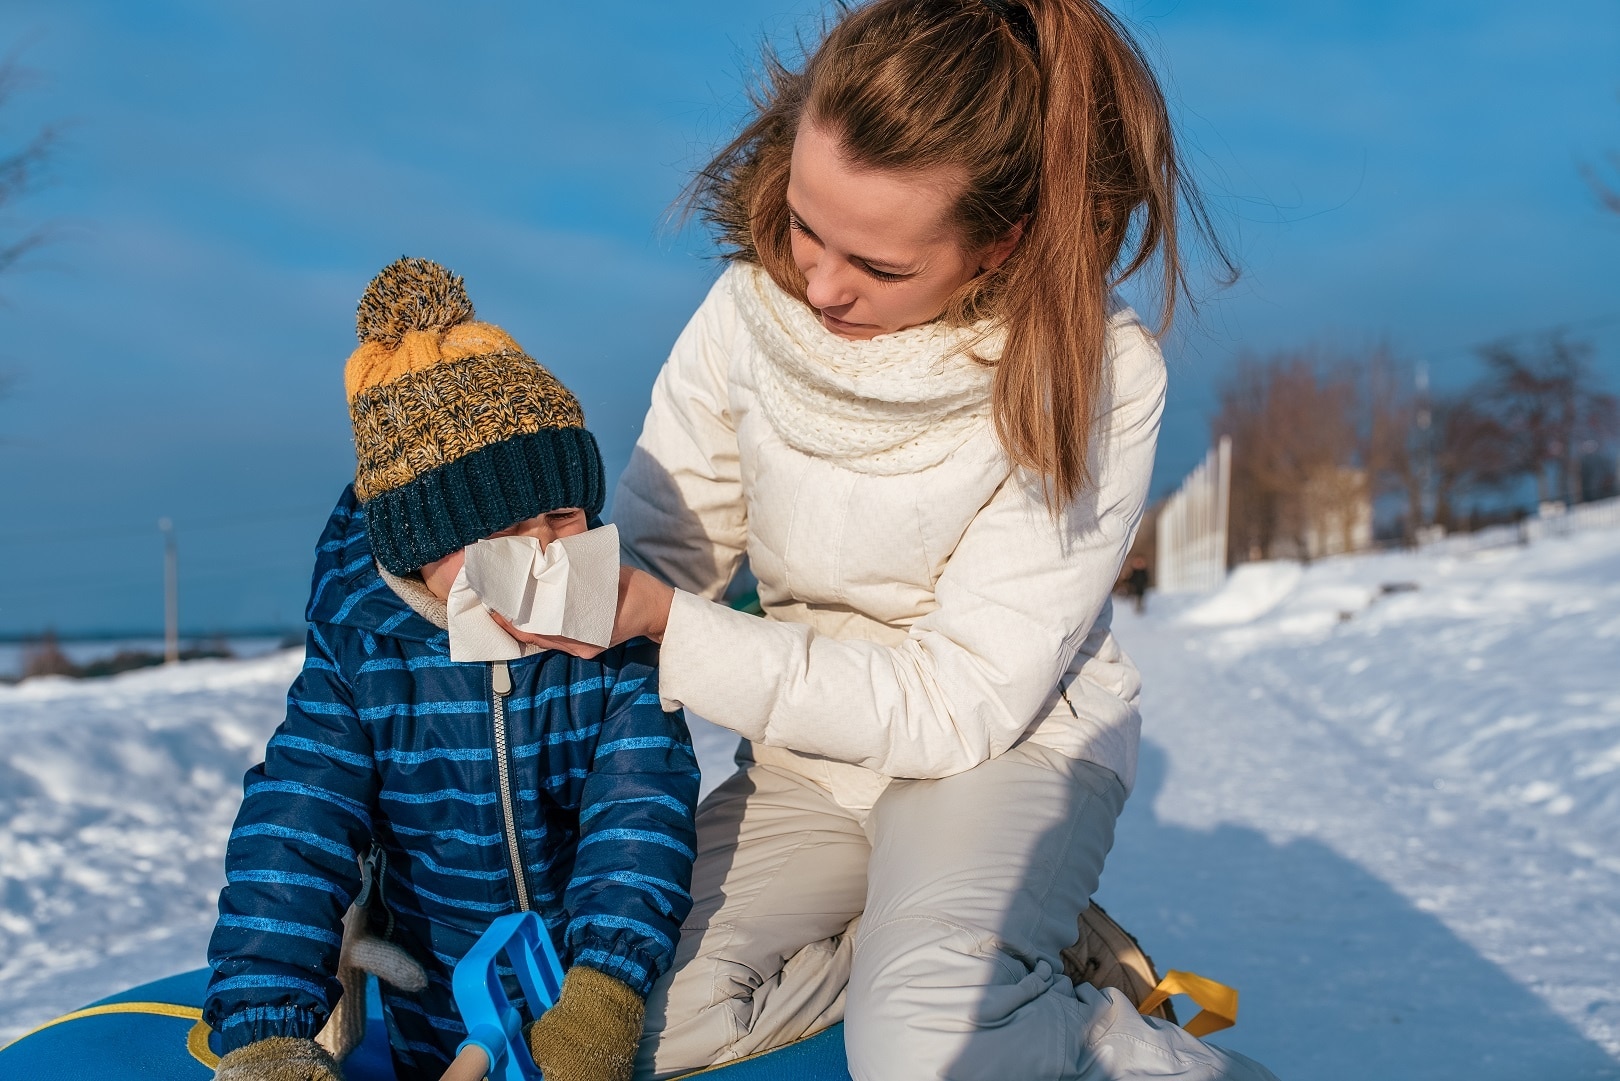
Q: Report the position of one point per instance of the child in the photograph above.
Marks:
(470, 790)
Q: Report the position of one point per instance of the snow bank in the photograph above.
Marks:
(115, 799)
(1250, 592)
(1495, 673)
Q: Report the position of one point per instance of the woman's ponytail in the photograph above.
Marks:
(1106, 205)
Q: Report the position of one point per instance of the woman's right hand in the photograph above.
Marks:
(643, 612)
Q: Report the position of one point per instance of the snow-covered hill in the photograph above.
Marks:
(1377, 794)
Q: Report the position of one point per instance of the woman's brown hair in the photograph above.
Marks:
(1055, 116)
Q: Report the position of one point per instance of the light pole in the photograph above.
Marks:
(171, 594)
(1423, 416)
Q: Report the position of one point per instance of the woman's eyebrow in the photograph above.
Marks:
(888, 264)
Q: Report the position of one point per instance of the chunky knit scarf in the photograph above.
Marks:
(898, 403)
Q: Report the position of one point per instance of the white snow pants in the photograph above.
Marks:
(930, 924)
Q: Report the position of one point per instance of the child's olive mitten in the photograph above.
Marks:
(592, 1032)
(280, 1058)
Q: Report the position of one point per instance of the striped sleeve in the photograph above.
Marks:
(632, 877)
(291, 866)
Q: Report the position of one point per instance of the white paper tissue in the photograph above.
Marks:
(571, 590)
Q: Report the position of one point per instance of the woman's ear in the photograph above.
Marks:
(993, 256)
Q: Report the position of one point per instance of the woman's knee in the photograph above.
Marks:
(921, 986)
(726, 1005)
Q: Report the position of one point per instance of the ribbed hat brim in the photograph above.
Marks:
(484, 492)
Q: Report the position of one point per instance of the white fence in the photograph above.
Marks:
(1191, 538)
(1554, 520)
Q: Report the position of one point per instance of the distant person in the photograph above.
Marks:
(544, 782)
(1136, 583)
(915, 404)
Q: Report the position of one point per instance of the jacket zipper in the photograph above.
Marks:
(501, 683)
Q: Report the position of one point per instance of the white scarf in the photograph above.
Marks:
(898, 403)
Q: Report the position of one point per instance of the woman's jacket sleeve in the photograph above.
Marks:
(291, 865)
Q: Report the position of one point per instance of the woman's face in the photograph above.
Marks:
(878, 250)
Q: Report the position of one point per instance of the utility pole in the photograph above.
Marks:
(171, 594)
(1423, 416)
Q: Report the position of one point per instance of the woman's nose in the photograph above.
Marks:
(828, 285)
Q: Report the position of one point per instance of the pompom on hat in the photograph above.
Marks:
(458, 433)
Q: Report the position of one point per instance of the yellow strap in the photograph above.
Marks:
(197, 1044)
(196, 1038)
(1217, 1003)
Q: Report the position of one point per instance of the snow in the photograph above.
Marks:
(1388, 817)
(1378, 795)
(115, 799)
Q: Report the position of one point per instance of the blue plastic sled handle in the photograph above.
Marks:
(493, 1023)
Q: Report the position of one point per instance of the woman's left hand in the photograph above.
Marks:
(643, 612)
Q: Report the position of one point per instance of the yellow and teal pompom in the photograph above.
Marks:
(411, 294)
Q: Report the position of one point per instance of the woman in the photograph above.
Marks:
(915, 406)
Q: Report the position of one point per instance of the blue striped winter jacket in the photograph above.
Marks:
(387, 740)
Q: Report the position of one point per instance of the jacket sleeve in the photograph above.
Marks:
(679, 503)
(632, 877)
(291, 864)
(1016, 600)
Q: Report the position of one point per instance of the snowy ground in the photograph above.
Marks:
(1387, 817)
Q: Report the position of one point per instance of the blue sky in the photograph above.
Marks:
(232, 175)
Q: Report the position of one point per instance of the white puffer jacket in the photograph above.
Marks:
(925, 611)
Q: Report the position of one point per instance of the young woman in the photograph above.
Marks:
(913, 402)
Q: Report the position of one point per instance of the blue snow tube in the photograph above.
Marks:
(155, 1033)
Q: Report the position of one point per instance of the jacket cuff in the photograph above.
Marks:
(636, 968)
(697, 664)
(265, 1022)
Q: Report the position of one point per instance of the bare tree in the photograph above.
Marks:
(1470, 453)
(1396, 427)
(1432, 450)
(1297, 485)
(20, 172)
(1547, 400)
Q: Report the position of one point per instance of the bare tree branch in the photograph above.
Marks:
(22, 169)
(1548, 400)
(1607, 191)
(1293, 421)
(1608, 195)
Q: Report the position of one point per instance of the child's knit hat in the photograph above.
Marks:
(457, 432)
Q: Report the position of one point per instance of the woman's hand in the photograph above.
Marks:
(643, 612)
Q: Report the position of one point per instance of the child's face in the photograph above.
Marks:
(440, 575)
